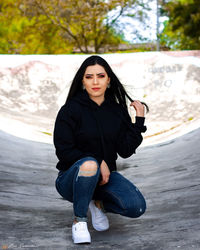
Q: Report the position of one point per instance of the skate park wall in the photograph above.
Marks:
(34, 87)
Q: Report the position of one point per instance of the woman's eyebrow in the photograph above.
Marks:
(97, 74)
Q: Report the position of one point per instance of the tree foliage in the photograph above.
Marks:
(182, 30)
(21, 34)
(60, 26)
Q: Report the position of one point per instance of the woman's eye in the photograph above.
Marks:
(88, 77)
(101, 76)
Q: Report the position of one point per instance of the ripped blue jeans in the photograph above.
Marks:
(118, 196)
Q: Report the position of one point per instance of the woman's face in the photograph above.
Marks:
(96, 82)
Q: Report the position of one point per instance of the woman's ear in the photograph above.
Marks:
(108, 86)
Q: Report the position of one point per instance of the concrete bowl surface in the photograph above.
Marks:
(34, 216)
(166, 167)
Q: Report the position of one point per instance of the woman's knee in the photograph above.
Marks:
(88, 168)
(136, 207)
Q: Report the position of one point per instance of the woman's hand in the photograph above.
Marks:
(139, 108)
(105, 173)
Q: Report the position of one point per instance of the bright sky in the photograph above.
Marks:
(148, 30)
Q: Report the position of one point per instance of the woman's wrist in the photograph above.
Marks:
(140, 115)
(139, 120)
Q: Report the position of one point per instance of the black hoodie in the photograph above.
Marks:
(83, 128)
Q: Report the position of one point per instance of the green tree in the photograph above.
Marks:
(61, 26)
(86, 24)
(22, 34)
(182, 30)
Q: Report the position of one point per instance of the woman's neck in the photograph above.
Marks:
(99, 100)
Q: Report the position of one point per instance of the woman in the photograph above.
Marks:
(90, 130)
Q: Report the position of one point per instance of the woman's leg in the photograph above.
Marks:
(120, 196)
(77, 185)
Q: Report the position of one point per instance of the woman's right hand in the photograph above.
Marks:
(105, 173)
(139, 108)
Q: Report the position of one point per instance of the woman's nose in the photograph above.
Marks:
(95, 80)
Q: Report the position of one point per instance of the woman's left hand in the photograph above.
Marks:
(105, 173)
(139, 108)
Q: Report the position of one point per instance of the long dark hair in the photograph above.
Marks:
(116, 90)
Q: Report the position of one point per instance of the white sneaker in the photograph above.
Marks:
(99, 219)
(80, 233)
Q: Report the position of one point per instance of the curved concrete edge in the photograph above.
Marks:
(41, 134)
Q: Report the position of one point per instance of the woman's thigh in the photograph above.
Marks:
(121, 196)
(66, 179)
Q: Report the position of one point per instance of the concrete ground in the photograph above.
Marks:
(34, 216)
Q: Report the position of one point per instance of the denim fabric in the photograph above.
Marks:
(78, 189)
(118, 196)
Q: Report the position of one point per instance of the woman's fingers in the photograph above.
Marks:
(139, 108)
(104, 180)
(136, 103)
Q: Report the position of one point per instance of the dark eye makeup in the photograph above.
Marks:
(101, 75)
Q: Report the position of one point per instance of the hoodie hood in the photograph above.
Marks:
(83, 98)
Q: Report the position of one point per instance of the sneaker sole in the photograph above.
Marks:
(82, 240)
(100, 229)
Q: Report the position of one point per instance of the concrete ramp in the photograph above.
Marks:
(34, 216)
(166, 167)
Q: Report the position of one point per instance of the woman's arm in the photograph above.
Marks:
(64, 135)
(130, 133)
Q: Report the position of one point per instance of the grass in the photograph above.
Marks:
(46, 133)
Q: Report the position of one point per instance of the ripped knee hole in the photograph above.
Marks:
(88, 168)
(87, 173)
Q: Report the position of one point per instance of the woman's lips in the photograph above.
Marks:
(95, 89)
